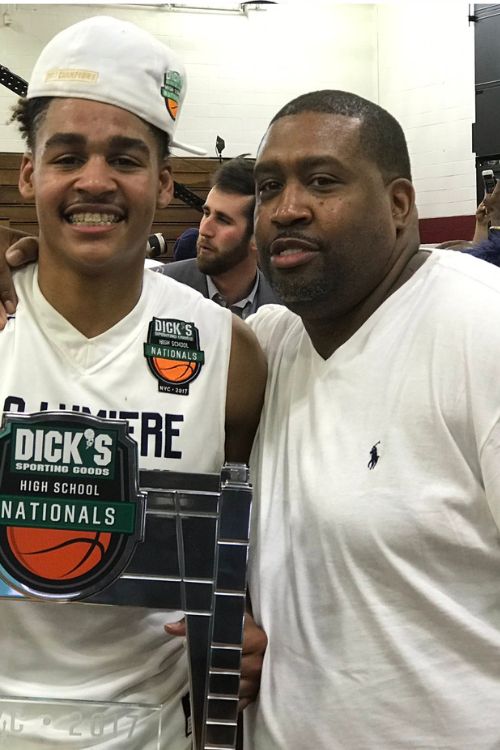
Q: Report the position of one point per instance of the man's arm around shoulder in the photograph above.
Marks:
(21, 249)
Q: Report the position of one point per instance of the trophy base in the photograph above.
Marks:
(35, 723)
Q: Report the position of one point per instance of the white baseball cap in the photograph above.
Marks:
(112, 61)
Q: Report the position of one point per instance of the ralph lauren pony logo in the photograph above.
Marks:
(374, 456)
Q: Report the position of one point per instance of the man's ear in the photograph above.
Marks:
(165, 186)
(402, 194)
(252, 245)
(26, 187)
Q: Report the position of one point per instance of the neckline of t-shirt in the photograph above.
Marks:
(88, 354)
(58, 323)
(417, 277)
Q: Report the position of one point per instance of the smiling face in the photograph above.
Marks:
(97, 179)
(324, 221)
(225, 239)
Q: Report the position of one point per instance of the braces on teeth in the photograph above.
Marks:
(92, 218)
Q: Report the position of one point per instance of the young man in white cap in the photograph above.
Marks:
(99, 117)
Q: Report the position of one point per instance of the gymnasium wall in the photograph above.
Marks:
(415, 59)
(426, 79)
(241, 69)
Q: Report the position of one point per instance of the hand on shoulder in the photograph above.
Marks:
(16, 249)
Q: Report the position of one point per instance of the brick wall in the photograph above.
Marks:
(426, 79)
(416, 59)
(241, 69)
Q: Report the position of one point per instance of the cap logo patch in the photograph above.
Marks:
(70, 74)
(171, 92)
(173, 354)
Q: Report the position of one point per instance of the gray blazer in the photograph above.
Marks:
(186, 271)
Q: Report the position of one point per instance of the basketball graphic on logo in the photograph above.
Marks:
(172, 107)
(174, 371)
(57, 554)
(173, 354)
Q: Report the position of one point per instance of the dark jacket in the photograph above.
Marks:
(488, 250)
(186, 271)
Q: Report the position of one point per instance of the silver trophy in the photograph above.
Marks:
(173, 541)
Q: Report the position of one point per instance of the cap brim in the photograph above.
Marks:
(189, 149)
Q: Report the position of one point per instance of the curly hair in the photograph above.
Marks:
(29, 114)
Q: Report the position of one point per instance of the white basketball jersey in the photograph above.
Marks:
(79, 651)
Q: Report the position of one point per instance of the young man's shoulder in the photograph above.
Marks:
(176, 285)
(23, 278)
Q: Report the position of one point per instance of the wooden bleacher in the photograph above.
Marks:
(194, 173)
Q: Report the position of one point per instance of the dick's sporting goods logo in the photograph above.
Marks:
(171, 92)
(74, 452)
(70, 510)
(173, 354)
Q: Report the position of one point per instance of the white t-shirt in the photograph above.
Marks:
(375, 565)
(80, 651)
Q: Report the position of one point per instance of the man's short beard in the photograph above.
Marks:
(216, 265)
(297, 292)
